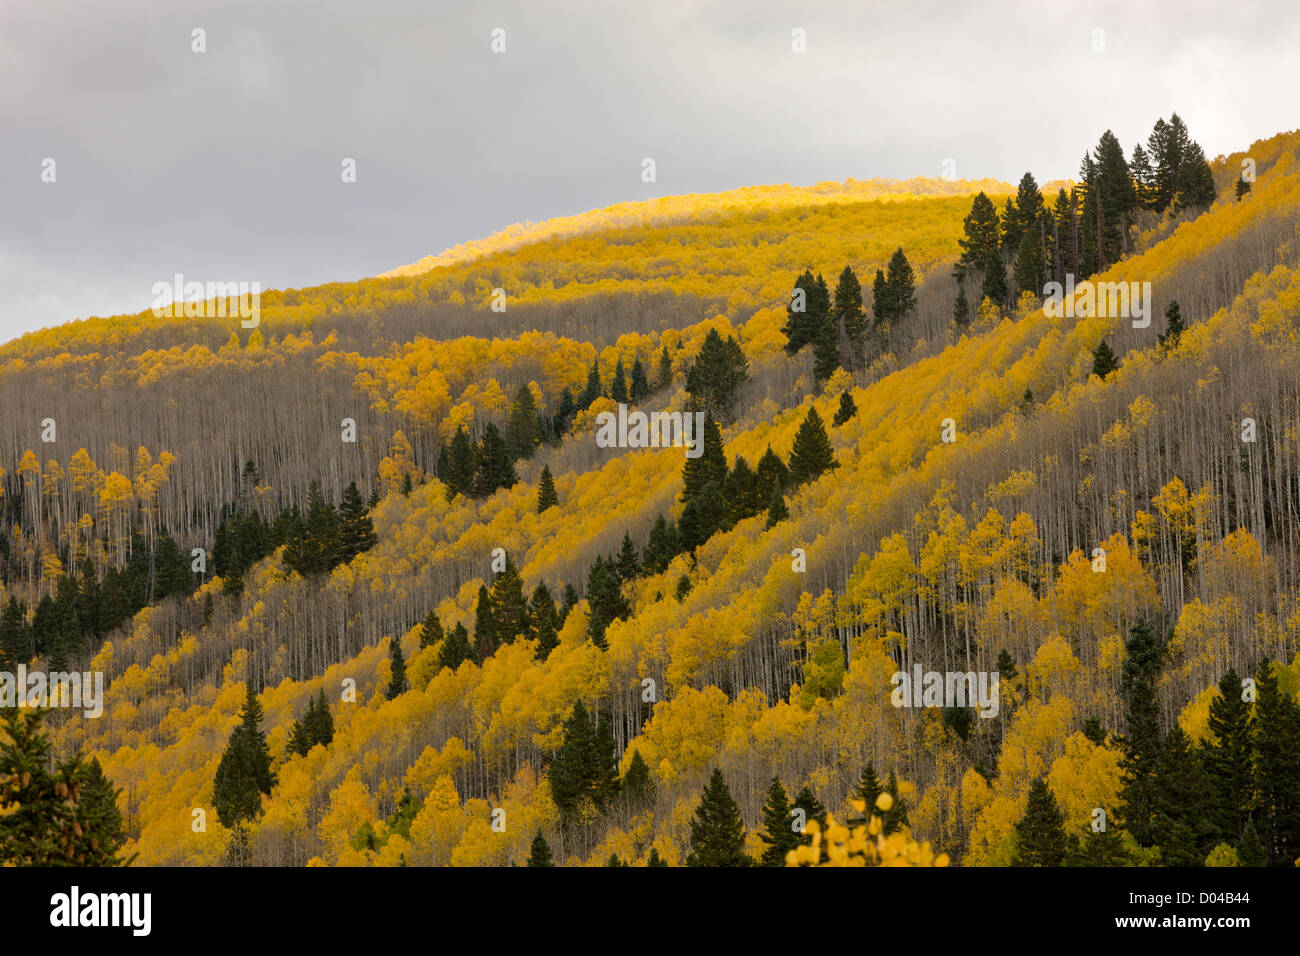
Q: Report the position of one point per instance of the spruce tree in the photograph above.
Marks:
(779, 835)
(1250, 850)
(771, 472)
(638, 787)
(709, 467)
(540, 853)
(994, 286)
(812, 453)
(717, 833)
(1174, 327)
(572, 773)
(638, 388)
(618, 384)
(848, 313)
(826, 350)
(1243, 187)
(665, 375)
(244, 773)
(509, 607)
(523, 426)
(719, 370)
(397, 684)
(961, 314)
(812, 808)
(546, 496)
(628, 564)
(1180, 825)
(981, 232)
(1229, 761)
(901, 282)
(431, 630)
(319, 724)
(881, 310)
(593, 389)
(1040, 834)
(605, 599)
(1103, 360)
(776, 508)
(495, 469)
(868, 789)
(742, 493)
(460, 475)
(846, 410)
(896, 816)
(801, 320)
(356, 530)
(1195, 181)
(655, 859)
(455, 649)
(1141, 741)
(1277, 768)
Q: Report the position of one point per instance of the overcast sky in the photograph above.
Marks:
(225, 165)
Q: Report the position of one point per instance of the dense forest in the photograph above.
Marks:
(366, 590)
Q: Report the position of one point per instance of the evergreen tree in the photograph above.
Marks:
(661, 547)
(900, 281)
(397, 685)
(628, 564)
(1195, 182)
(981, 230)
(720, 368)
(618, 384)
(1243, 187)
(543, 620)
(1103, 360)
(896, 816)
(846, 410)
(1277, 769)
(244, 774)
(1250, 851)
(356, 530)
(717, 833)
(540, 854)
(1040, 834)
(509, 608)
(572, 773)
(1174, 327)
(778, 833)
(771, 472)
(1144, 177)
(709, 467)
(460, 475)
(665, 376)
(605, 780)
(812, 453)
(1116, 200)
(1141, 742)
(848, 313)
(994, 286)
(1028, 270)
(485, 623)
(826, 350)
(881, 310)
(1228, 761)
(431, 629)
(742, 493)
(523, 425)
(1179, 823)
(455, 649)
(564, 413)
(546, 496)
(638, 786)
(801, 320)
(14, 638)
(638, 386)
(655, 859)
(812, 808)
(495, 469)
(593, 389)
(320, 723)
(868, 789)
(961, 314)
(776, 508)
(605, 598)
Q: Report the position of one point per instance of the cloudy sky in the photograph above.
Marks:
(225, 165)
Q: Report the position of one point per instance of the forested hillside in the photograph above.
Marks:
(366, 588)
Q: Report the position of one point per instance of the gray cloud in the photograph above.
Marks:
(225, 165)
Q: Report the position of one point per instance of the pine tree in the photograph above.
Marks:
(1228, 761)
(709, 467)
(546, 496)
(618, 384)
(356, 530)
(868, 789)
(1195, 182)
(812, 453)
(812, 808)
(1141, 742)
(244, 774)
(1277, 768)
(881, 310)
(661, 547)
(1243, 187)
(431, 630)
(628, 564)
(593, 389)
(846, 410)
(1174, 327)
(460, 475)
(320, 723)
(961, 314)
(540, 854)
(779, 835)
(1116, 200)
(717, 833)
(1028, 269)
(485, 623)
(994, 286)
(495, 469)
(655, 859)
(848, 313)
(665, 376)
(901, 282)
(801, 320)
(638, 388)
(455, 649)
(1179, 822)
(1040, 834)
(981, 230)
(826, 350)
(605, 598)
(896, 816)
(1144, 177)
(523, 426)
(771, 472)
(742, 493)
(1250, 851)
(1103, 360)
(718, 372)
(776, 508)
(638, 787)
(509, 608)
(605, 782)
(397, 685)
(572, 773)
(14, 646)
(543, 620)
